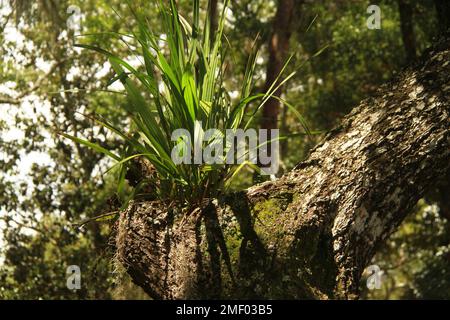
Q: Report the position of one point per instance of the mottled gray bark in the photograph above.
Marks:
(310, 233)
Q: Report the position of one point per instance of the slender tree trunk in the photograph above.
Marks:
(407, 27)
(443, 13)
(278, 50)
(311, 233)
(444, 199)
(213, 16)
(441, 196)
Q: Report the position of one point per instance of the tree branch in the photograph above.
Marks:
(311, 233)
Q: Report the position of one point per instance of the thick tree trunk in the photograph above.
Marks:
(311, 233)
(407, 28)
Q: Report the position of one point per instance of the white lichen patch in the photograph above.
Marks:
(335, 195)
(416, 91)
(329, 163)
(323, 147)
(420, 106)
(319, 177)
(339, 223)
(350, 143)
(336, 246)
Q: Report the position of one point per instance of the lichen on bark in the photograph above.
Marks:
(310, 233)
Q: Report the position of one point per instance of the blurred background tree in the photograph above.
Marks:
(48, 184)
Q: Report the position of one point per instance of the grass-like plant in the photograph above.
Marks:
(180, 85)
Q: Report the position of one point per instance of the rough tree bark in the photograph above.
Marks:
(311, 233)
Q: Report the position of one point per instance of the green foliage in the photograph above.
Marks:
(415, 259)
(69, 187)
(39, 203)
(189, 65)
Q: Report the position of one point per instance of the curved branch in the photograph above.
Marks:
(310, 233)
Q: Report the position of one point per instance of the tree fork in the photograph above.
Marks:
(311, 233)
